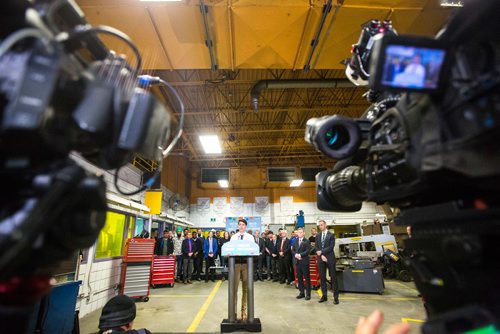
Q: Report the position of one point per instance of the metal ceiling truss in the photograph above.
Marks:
(220, 103)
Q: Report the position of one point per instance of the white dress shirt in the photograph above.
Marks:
(246, 236)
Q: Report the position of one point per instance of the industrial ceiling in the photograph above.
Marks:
(215, 51)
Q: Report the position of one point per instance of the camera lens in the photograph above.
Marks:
(336, 137)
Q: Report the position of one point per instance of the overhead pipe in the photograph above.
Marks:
(327, 33)
(314, 43)
(291, 83)
(208, 39)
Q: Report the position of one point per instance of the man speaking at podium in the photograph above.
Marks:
(241, 269)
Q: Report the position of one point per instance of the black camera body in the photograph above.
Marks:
(62, 91)
(433, 151)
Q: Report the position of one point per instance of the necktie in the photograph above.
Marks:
(189, 242)
(241, 236)
(274, 243)
(300, 241)
(282, 244)
(210, 248)
(323, 239)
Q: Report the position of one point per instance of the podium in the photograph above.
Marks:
(247, 249)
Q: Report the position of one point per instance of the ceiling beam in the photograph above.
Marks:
(251, 147)
(264, 157)
(327, 109)
(254, 131)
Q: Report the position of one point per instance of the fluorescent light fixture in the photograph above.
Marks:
(296, 183)
(211, 144)
(161, 0)
(223, 183)
(452, 3)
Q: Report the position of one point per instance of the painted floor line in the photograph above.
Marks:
(178, 296)
(411, 320)
(201, 313)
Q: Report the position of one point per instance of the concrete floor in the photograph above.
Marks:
(174, 310)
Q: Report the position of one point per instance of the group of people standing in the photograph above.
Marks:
(278, 255)
(191, 249)
(284, 254)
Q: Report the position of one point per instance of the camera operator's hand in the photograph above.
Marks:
(371, 325)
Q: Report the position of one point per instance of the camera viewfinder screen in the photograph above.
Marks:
(412, 67)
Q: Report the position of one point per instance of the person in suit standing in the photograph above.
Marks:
(259, 241)
(293, 237)
(165, 245)
(202, 237)
(284, 258)
(325, 243)
(198, 257)
(210, 248)
(275, 257)
(188, 250)
(301, 247)
(241, 269)
(268, 240)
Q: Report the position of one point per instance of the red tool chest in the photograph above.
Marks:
(313, 271)
(163, 270)
(136, 268)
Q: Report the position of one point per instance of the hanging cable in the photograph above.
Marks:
(82, 30)
(147, 80)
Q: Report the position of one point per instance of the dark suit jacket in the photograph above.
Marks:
(160, 245)
(328, 246)
(272, 248)
(199, 247)
(185, 248)
(269, 245)
(303, 249)
(286, 247)
(261, 246)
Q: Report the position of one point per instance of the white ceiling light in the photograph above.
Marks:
(452, 3)
(296, 183)
(161, 0)
(223, 183)
(211, 144)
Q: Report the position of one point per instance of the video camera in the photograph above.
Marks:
(62, 90)
(430, 146)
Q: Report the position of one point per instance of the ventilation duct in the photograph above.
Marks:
(303, 83)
